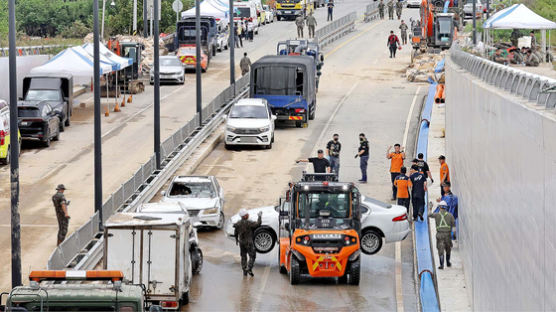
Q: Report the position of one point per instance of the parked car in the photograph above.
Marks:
(479, 8)
(250, 122)
(202, 196)
(38, 122)
(413, 3)
(5, 135)
(187, 56)
(269, 14)
(54, 89)
(171, 69)
(380, 222)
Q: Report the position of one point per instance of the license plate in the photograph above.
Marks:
(24, 123)
(248, 140)
(288, 12)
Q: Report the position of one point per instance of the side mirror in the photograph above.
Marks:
(163, 193)
(273, 117)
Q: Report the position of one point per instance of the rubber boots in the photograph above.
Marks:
(441, 267)
(448, 260)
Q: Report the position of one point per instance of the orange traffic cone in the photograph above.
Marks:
(106, 112)
(129, 99)
(123, 102)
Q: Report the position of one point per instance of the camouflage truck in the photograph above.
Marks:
(77, 291)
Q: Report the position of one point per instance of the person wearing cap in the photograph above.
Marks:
(363, 154)
(61, 208)
(418, 191)
(403, 184)
(396, 163)
(320, 164)
(451, 201)
(444, 172)
(444, 223)
(243, 232)
(333, 148)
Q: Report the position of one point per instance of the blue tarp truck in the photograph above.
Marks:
(288, 83)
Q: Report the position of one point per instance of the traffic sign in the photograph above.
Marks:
(177, 6)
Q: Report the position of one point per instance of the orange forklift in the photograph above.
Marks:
(319, 230)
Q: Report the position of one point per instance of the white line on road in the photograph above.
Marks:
(266, 273)
(398, 250)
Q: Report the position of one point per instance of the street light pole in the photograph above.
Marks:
(97, 124)
(233, 32)
(474, 22)
(198, 59)
(156, 86)
(103, 9)
(134, 17)
(14, 151)
(145, 19)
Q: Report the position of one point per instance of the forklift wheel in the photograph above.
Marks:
(294, 271)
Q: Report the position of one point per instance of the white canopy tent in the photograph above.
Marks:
(519, 16)
(208, 9)
(116, 61)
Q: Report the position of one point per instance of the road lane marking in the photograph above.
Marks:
(343, 44)
(398, 250)
(266, 273)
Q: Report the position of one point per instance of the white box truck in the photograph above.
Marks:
(152, 249)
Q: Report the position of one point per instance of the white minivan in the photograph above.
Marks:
(250, 122)
(245, 10)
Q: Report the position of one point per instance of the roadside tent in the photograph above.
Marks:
(72, 61)
(117, 62)
(207, 9)
(519, 16)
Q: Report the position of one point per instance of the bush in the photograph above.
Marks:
(75, 30)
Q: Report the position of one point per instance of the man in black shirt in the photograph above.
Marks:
(363, 154)
(320, 164)
(333, 149)
(418, 190)
(424, 166)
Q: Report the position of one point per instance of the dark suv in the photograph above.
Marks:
(39, 122)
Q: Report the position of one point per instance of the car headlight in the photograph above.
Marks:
(210, 211)
(231, 129)
(264, 129)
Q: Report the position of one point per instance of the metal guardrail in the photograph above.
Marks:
(531, 87)
(371, 12)
(336, 29)
(83, 248)
(33, 50)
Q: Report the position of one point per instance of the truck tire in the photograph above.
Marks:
(68, 122)
(295, 274)
(184, 300)
(313, 112)
(354, 275)
(196, 260)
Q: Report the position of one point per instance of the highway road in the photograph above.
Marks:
(127, 142)
(362, 90)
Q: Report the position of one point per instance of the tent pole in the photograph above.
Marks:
(107, 91)
(543, 42)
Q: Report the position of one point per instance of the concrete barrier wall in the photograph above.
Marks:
(24, 66)
(502, 155)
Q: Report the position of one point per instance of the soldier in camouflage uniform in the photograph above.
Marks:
(399, 7)
(381, 9)
(243, 231)
(444, 223)
(61, 207)
(403, 31)
(390, 9)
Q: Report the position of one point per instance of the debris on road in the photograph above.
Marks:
(422, 67)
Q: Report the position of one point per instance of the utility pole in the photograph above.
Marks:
(233, 32)
(97, 124)
(488, 9)
(198, 59)
(156, 86)
(145, 27)
(103, 10)
(14, 151)
(134, 17)
(474, 22)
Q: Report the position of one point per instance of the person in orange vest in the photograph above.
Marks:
(396, 164)
(444, 172)
(403, 183)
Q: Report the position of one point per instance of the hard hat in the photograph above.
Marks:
(60, 187)
(442, 204)
(242, 212)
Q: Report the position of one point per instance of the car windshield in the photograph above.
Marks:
(192, 190)
(324, 209)
(170, 62)
(243, 12)
(27, 111)
(249, 111)
(43, 95)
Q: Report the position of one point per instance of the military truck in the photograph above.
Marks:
(95, 290)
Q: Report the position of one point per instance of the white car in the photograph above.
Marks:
(380, 223)
(479, 9)
(414, 3)
(202, 196)
(170, 69)
(250, 122)
(269, 14)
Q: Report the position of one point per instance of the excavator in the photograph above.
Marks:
(435, 30)
(130, 80)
